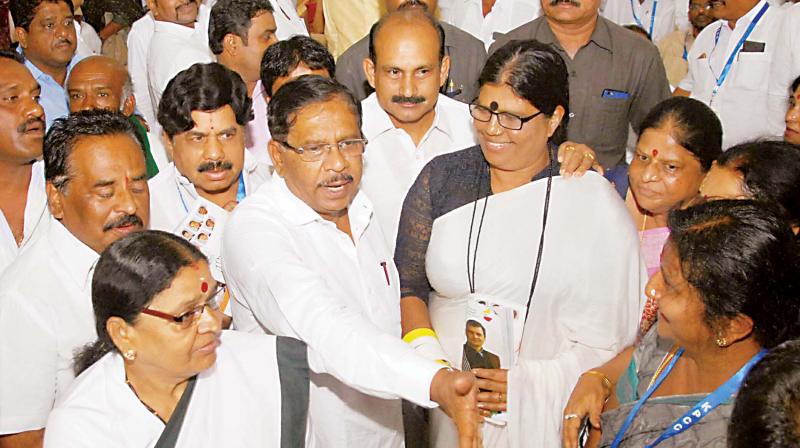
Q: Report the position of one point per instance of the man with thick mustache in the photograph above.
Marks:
(407, 121)
(23, 203)
(47, 38)
(467, 56)
(729, 68)
(615, 76)
(305, 258)
(97, 191)
(203, 113)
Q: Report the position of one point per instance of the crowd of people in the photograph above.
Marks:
(388, 223)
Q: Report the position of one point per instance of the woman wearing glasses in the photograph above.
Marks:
(163, 374)
(494, 228)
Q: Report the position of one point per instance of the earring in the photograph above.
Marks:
(130, 355)
(722, 342)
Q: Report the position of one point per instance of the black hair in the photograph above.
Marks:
(282, 57)
(475, 323)
(638, 30)
(408, 16)
(535, 72)
(795, 84)
(233, 17)
(13, 55)
(64, 134)
(23, 11)
(742, 258)
(301, 92)
(766, 413)
(130, 273)
(694, 126)
(771, 172)
(202, 87)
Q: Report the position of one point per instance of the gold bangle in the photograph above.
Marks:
(606, 381)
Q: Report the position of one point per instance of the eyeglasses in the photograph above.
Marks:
(505, 119)
(313, 152)
(188, 318)
(695, 6)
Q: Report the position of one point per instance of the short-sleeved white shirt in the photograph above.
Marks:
(37, 218)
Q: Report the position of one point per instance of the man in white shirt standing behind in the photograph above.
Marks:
(657, 18)
(729, 66)
(305, 258)
(406, 120)
(485, 19)
(203, 113)
(97, 192)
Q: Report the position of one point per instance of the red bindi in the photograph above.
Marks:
(203, 287)
(655, 153)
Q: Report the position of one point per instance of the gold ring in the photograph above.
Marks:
(569, 148)
(588, 155)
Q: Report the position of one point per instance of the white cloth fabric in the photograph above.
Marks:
(36, 221)
(295, 274)
(287, 20)
(138, 48)
(45, 314)
(585, 309)
(173, 48)
(785, 67)
(504, 16)
(100, 410)
(89, 42)
(258, 135)
(670, 15)
(742, 101)
(392, 161)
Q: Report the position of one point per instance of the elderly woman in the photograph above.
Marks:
(163, 374)
(727, 290)
(552, 269)
(792, 132)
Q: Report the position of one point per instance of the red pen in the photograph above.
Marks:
(385, 272)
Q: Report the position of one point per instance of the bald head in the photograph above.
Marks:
(100, 82)
(403, 25)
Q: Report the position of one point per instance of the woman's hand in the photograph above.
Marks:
(587, 398)
(493, 385)
(576, 159)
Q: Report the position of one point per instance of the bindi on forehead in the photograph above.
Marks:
(493, 106)
(654, 152)
(203, 285)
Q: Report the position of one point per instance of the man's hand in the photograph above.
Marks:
(576, 159)
(457, 395)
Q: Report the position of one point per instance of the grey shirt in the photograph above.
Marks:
(615, 61)
(467, 56)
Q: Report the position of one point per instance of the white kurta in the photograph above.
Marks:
(504, 16)
(45, 314)
(37, 219)
(295, 274)
(586, 305)
(392, 161)
(236, 403)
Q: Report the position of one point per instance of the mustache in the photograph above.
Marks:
(123, 220)
(408, 99)
(25, 127)
(64, 40)
(413, 4)
(575, 3)
(339, 178)
(215, 165)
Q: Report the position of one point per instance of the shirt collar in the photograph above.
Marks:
(601, 36)
(746, 19)
(175, 29)
(377, 121)
(75, 256)
(40, 75)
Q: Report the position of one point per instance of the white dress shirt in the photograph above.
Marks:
(257, 129)
(295, 274)
(45, 315)
(785, 67)
(392, 161)
(742, 101)
(670, 15)
(173, 48)
(138, 48)
(36, 220)
(89, 42)
(504, 16)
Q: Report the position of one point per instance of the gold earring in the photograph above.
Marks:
(721, 341)
(130, 355)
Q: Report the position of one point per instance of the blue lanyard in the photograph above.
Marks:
(241, 193)
(685, 56)
(652, 17)
(700, 410)
(736, 49)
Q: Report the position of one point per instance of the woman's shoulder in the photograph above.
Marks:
(464, 161)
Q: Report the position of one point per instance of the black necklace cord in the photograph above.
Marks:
(471, 273)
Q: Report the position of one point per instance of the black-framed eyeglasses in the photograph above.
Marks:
(505, 119)
(707, 7)
(188, 318)
(350, 148)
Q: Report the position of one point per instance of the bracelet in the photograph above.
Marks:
(606, 381)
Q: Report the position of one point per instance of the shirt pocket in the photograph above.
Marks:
(612, 115)
(750, 71)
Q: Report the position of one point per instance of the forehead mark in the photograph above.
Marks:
(203, 285)
(655, 152)
(493, 106)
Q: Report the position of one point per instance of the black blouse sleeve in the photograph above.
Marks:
(413, 236)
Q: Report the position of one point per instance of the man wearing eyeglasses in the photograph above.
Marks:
(203, 112)
(96, 182)
(407, 121)
(305, 258)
